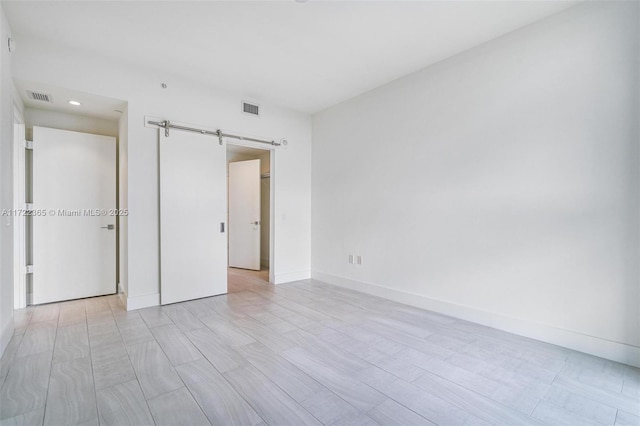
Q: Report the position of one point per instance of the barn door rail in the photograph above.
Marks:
(166, 125)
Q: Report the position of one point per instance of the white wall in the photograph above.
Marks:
(500, 185)
(7, 100)
(66, 121)
(182, 101)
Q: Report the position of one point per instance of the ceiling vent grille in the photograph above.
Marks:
(251, 109)
(43, 97)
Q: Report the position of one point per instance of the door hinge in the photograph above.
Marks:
(28, 144)
(28, 269)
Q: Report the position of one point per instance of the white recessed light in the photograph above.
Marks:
(76, 103)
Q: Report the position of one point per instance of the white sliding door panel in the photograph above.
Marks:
(193, 205)
(244, 214)
(74, 241)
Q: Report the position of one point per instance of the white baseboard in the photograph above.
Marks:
(288, 277)
(139, 302)
(615, 351)
(5, 335)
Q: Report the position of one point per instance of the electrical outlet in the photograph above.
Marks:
(351, 259)
(359, 260)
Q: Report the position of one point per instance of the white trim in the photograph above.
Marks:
(288, 277)
(139, 302)
(19, 202)
(5, 335)
(615, 351)
(272, 217)
(249, 144)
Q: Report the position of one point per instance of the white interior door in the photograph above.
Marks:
(74, 196)
(193, 205)
(244, 214)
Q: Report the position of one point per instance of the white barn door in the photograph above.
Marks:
(74, 233)
(193, 208)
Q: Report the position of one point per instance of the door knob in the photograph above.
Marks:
(256, 223)
(109, 226)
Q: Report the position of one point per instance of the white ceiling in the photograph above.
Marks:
(90, 105)
(302, 55)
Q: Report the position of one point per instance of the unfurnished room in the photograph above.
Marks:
(320, 212)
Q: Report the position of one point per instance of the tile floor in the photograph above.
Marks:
(295, 354)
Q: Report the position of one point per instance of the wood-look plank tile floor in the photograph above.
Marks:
(305, 353)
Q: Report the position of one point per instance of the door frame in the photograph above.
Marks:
(244, 185)
(272, 193)
(19, 204)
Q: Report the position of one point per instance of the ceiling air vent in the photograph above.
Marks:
(251, 109)
(43, 97)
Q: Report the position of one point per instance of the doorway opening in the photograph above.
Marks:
(56, 143)
(249, 195)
